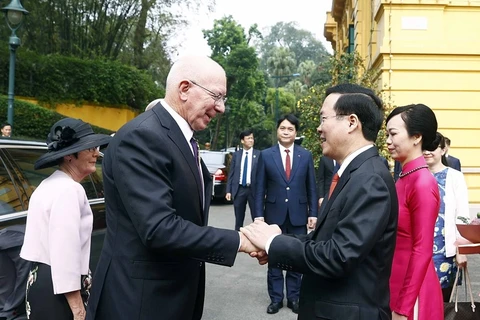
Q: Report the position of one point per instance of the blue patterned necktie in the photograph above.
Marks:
(245, 169)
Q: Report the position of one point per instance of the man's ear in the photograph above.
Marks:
(353, 121)
(183, 88)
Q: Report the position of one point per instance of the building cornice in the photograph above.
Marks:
(338, 7)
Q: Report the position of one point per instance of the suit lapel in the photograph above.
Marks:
(297, 158)
(277, 158)
(177, 137)
(357, 162)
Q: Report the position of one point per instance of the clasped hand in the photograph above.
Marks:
(258, 233)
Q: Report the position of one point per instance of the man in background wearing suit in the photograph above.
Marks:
(157, 192)
(346, 261)
(241, 178)
(285, 195)
(326, 169)
(452, 161)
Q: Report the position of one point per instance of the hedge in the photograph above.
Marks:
(56, 79)
(32, 121)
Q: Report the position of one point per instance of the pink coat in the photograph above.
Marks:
(413, 273)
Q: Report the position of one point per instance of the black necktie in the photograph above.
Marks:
(194, 144)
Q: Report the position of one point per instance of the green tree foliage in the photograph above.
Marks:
(246, 83)
(302, 46)
(281, 62)
(132, 31)
(344, 68)
(301, 42)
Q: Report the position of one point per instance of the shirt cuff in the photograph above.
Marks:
(269, 241)
(239, 242)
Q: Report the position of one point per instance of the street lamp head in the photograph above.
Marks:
(14, 13)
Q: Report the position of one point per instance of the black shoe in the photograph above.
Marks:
(274, 307)
(294, 306)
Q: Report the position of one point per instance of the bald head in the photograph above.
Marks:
(194, 85)
(197, 68)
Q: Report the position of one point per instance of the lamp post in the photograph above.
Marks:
(14, 14)
(277, 102)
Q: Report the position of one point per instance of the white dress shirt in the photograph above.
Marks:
(284, 155)
(249, 167)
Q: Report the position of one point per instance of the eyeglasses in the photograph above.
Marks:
(323, 118)
(216, 96)
(93, 149)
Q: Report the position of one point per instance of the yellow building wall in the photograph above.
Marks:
(425, 54)
(103, 117)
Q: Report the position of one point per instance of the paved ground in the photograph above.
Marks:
(240, 292)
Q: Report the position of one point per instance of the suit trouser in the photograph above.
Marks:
(275, 277)
(244, 195)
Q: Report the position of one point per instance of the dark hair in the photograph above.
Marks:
(442, 144)
(290, 118)
(355, 88)
(362, 102)
(5, 124)
(245, 133)
(419, 120)
(447, 141)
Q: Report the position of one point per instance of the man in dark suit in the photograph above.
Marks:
(157, 193)
(285, 195)
(241, 178)
(326, 168)
(396, 170)
(452, 161)
(346, 261)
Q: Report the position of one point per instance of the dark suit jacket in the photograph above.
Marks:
(397, 169)
(324, 176)
(346, 268)
(454, 163)
(275, 195)
(151, 265)
(234, 173)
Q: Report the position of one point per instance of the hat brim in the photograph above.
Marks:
(50, 158)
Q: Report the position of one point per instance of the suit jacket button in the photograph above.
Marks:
(288, 188)
(286, 200)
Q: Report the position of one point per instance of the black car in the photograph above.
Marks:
(18, 180)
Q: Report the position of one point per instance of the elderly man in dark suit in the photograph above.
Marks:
(157, 192)
(346, 261)
(285, 194)
(241, 178)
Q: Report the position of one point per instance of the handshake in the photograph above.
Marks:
(254, 238)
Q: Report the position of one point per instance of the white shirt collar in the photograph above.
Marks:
(282, 148)
(182, 123)
(350, 158)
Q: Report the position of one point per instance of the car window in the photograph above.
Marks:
(93, 184)
(25, 159)
(213, 157)
(9, 198)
